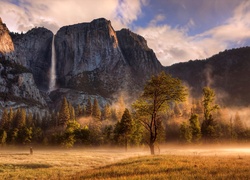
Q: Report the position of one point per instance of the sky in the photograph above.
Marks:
(177, 30)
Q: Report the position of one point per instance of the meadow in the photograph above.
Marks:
(180, 162)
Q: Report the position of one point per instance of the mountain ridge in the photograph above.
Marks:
(95, 60)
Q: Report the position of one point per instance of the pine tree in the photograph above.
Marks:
(126, 127)
(4, 120)
(88, 111)
(96, 112)
(29, 120)
(71, 111)
(120, 107)
(64, 114)
(106, 113)
(78, 111)
(20, 119)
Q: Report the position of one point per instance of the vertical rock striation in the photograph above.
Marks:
(94, 58)
(33, 50)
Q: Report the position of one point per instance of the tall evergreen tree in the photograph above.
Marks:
(96, 112)
(106, 113)
(126, 127)
(4, 120)
(64, 114)
(88, 111)
(120, 107)
(71, 111)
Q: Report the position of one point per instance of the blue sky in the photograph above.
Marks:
(177, 30)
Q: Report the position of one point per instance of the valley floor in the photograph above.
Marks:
(174, 162)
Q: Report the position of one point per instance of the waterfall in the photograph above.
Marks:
(52, 82)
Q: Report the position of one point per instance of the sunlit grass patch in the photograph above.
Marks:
(173, 167)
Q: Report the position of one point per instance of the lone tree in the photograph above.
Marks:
(158, 93)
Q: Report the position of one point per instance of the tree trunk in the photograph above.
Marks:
(152, 148)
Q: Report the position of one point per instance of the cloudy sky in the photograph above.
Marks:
(177, 30)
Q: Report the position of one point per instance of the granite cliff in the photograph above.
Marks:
(6, 44)
(33, 51)
(93, 58)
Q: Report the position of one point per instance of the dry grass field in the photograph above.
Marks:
(180, 162)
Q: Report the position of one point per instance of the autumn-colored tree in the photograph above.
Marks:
(64, 114)
(158, 93)
(4, 120)
(88, 111)
(120, 106)
(106, 113)
(96, 112)
(195, 127)
(185, 133)
(208, 128)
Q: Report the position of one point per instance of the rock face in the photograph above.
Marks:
(17, 86)
(226, 72)
(33, 50)
(93, 58)
(6, 44)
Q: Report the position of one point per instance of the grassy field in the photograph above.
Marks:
(172, 163)
(173, 167)
(54, 164)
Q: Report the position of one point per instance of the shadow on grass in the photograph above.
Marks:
(28, 166)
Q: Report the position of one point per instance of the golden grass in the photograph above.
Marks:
(173, 167)
(173, 163)
(54, 164)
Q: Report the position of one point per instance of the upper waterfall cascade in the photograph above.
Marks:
(52, 82)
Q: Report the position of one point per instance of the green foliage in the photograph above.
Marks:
(158, 93)
(69, 138)
(209, 124)
(195, 128)
(126, 127)
(208, 102)
(64, 113)
(185, 133)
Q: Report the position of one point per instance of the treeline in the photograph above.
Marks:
(200, 121)
(81, 125)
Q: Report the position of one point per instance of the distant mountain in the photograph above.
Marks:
(227, 72)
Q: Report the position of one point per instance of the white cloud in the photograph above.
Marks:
(173, 45)
(57, 13)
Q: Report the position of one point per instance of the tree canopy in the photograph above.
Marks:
(157, 96)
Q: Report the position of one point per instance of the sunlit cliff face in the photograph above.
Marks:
(6, 44)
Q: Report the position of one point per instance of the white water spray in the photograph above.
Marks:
(52, 82)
